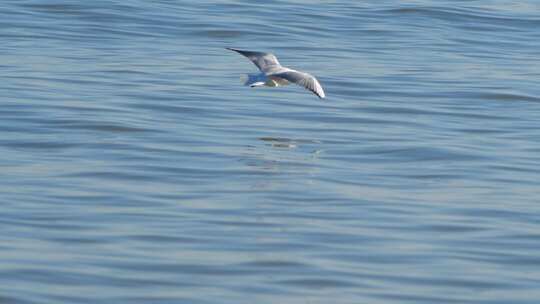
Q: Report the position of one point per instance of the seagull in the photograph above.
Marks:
(274, 75)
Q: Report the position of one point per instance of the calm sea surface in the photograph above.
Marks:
(135, 167)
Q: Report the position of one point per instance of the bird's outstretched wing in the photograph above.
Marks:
(304, 79)
(264, 61)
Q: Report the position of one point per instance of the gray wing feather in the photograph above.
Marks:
(264, 61)
(304, 79)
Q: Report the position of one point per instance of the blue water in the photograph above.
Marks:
(136, 168)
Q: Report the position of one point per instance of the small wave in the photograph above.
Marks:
(474, 16)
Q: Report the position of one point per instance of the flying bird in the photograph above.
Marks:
(274, 75)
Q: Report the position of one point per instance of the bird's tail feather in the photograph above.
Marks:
(252, 80)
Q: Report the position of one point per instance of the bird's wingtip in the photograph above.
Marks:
(319, 92)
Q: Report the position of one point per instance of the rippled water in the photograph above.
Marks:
(137, 169)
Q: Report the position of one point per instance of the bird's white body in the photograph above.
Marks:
(259, 80)
(274, 75)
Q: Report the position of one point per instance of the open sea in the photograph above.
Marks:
(136, 168)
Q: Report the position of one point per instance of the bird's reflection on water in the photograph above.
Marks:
(280, 155)
(282, 142)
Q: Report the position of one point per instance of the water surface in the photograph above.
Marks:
(137, 169)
